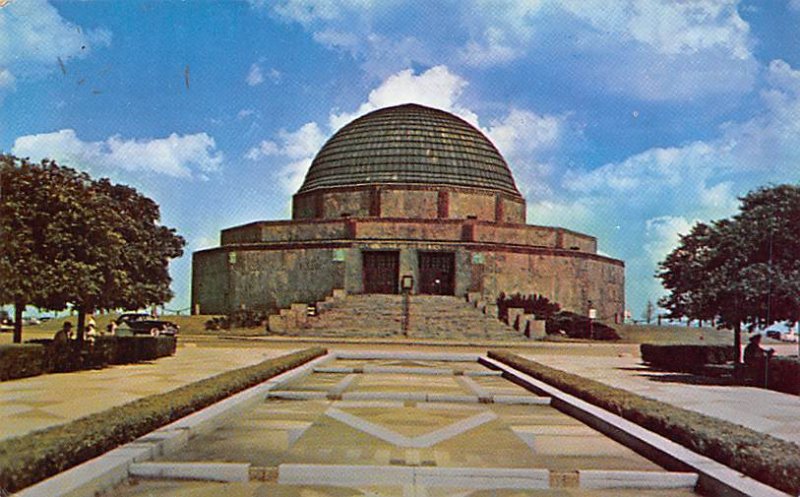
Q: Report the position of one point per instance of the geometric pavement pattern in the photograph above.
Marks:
(327, 445)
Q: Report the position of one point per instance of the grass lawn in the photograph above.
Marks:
(642, 333)
(190, 325)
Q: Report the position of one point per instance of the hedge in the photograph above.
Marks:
(143, 348)
(42, 356)
(21, 361)
(577, 326)
(763, 457)
(784, 374)
(688, 358)
(30, 458)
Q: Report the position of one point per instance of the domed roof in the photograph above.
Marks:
(409, 144)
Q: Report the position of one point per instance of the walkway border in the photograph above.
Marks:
(715, 478)
(110, 469)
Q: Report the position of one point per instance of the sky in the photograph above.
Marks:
(628, 120)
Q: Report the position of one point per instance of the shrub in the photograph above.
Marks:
(33, 457)
(687, 358)
(539, 305)
(21, 361)
(577, 326)
(763, 457)
(784, 374)
(243, 318)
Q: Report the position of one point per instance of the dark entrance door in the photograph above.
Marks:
(381, 271)
(437, 273)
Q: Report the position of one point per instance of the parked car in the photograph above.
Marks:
(128, 317)
(154, 327)
(783, 336)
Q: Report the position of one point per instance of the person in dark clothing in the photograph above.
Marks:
(757, 358)
(63, 335)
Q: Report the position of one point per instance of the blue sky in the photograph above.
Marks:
(628, 120)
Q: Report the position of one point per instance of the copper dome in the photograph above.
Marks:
(409, 144)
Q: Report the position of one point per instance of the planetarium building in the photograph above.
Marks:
(405, 191)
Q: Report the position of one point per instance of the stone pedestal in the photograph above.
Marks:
(299, 313)
(535, 329)
(276, 323)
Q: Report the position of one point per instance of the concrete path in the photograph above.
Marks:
(35, 403)
(332, 447)
(765, 411)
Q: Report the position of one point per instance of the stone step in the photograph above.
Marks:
(432, 316)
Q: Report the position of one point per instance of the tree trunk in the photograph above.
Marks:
(18, 308)
(737, 351)
(81, 325)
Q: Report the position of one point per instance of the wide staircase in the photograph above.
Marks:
(430, 317)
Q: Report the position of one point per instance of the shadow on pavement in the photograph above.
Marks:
(663, 376)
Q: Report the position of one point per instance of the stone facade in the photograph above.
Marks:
(270, 265)
(410, 201)
(420, 219)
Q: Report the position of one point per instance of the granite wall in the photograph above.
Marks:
(275, 276)
(409, 202)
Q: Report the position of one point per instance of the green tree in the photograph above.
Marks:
(742, 271)
(23, 270)
(70, 240)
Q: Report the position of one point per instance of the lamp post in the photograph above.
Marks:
(406, 285)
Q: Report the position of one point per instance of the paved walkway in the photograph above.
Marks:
(775, 413)
(35, 403)
(405, 427)
(39, 402)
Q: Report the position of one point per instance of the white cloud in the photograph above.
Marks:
(669, 27)
(437, 87)
(7, 80)
(523, 131)
(298, 147)
(494, 50)
(274, 75)
(650, 49)
(662, 235)
(33, 36)
(255, 77)
(245, 113)
(649, 171)
(176, 155)
(524, 137)
(333, 38)
(308, 11)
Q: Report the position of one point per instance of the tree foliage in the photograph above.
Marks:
(741, 270)
(70, 240)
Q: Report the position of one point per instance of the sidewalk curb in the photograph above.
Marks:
(110, 469)
(715, 478)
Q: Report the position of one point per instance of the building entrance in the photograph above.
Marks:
(381, 271)
(437, 272)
